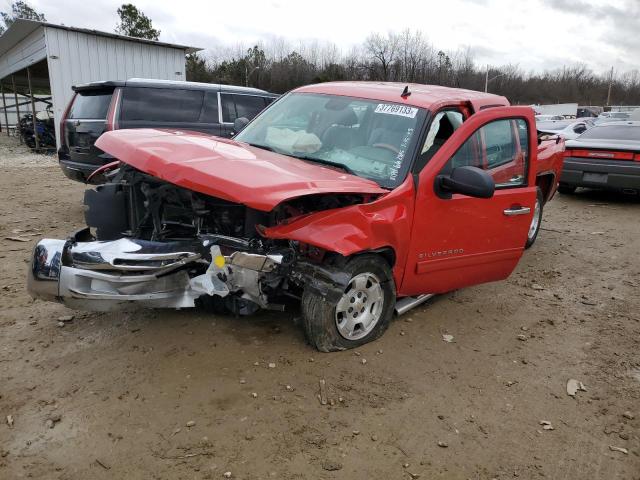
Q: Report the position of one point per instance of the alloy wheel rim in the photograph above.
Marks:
(535, 221)
(360, 308)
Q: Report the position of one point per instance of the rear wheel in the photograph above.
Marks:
(566, 189)
(536, 221)
(360, 316)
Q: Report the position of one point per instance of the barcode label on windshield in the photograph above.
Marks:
(391, 109)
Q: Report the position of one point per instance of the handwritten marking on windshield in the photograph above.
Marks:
(393, 170)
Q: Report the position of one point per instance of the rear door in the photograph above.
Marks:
(235, 105)
(184, 109)
(461, 241)
(85, 122)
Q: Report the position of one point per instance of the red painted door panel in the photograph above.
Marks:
(463, 241)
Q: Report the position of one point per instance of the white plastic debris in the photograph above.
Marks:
(546, 425)
(209, 282)
(613, 448)
(573, 386)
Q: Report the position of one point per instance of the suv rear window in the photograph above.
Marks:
(91, 105)
(162, 104)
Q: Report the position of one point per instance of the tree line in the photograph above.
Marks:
(407, 56)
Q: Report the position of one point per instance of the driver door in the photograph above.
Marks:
(460, 240)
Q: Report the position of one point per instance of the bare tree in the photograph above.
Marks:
(382, 51)
(404, 57)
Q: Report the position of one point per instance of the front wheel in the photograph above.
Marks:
(360, 316)
(536, 221)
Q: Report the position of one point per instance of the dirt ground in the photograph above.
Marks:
(123, 389)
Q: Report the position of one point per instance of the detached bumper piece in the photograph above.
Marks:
(127, 274)
(103, 276)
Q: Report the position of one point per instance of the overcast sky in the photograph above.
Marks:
(535, 34)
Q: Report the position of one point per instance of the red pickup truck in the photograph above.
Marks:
(357, 200)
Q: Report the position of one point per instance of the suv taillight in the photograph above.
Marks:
(112, 123)
(63, 120)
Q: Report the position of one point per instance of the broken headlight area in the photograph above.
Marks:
(88, 274)
(153, 244)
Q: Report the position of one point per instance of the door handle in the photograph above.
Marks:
(510, 212)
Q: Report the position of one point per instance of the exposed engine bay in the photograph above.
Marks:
(137, 205)
(150, 243)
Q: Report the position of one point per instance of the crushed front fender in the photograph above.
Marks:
(383, 223)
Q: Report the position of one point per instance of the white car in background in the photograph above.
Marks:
(548, 118)
(569, 130)
(612, 117)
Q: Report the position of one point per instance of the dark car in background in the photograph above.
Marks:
(140, 103)
(605, 157)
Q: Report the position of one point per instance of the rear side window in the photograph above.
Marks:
(236, 106)
(228, 108)
(91, 105)
(210, 110)
(613, 132)
(162, 105)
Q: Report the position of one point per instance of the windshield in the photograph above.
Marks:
(613, 132)
(368, 138)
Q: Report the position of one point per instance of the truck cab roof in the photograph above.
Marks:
(430, 97)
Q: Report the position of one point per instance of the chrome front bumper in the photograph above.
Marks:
(128, 274)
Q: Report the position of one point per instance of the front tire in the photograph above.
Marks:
(362, 314)
(536, 221)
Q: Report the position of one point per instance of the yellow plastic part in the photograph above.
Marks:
(218, 261)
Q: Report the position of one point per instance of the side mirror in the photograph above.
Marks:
(470, 181)
(579, 128)
(239, 124)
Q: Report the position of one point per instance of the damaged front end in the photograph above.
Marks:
(131, 273)
(151, 244)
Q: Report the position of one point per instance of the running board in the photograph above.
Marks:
(407, 303)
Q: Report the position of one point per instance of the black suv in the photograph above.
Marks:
(140, 103)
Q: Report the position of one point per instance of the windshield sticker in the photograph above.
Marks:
(391, 109)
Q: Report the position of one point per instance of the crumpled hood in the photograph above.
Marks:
(227, 169)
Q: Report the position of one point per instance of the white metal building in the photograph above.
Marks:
(40, 56)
